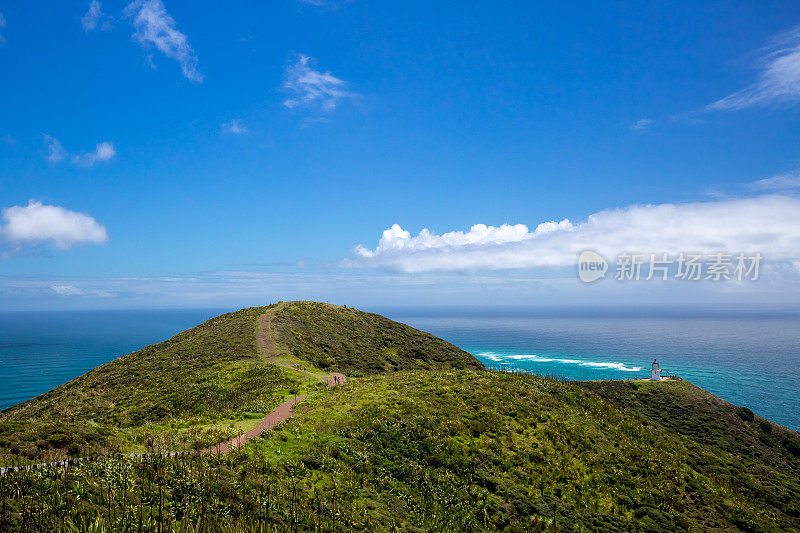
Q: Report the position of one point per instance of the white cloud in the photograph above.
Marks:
(766, 224)
(312, 89)
(2, 25)
(104, 151)
(641, 124)
(156, 28)
(330, 4)
(72, 290)
(37, 223)
(235, 127)
(67, 290)
(785, 181)
(55, 151)
(92, 17)
(778, 80)
(380, 290)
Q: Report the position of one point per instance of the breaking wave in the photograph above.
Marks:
(611, 365)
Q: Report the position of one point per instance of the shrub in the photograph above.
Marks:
(745, 414)
(792, 445)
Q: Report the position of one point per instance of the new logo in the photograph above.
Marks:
(591, 266)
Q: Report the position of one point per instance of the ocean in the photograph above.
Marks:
(41, 350)
(750, 360)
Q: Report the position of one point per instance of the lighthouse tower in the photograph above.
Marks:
(656, 372)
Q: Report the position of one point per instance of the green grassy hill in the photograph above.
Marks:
(680, 407)
(463, 450)
(356, 343)
(215, 372)
(212, 371)
(438, 445)
(447, 450)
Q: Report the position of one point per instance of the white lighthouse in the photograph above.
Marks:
(656, 372)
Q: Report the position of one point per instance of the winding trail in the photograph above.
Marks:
(267, 345)
(283, 411)
(278, 415)
(275, 417)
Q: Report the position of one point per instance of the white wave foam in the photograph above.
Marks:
(616, 366)
(611, 365)
(491, 356)
(532, 357)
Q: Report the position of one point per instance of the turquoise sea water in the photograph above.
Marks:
(749, 360)
(42, 350)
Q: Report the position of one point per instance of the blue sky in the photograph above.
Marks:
(231, 155)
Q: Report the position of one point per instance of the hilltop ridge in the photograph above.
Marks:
(357, 342)
(215, 371)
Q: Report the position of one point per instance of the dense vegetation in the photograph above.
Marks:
(357, 343)
(441, 451)
(210, 372)
(684, 408)
(206, 384)
(439, 445)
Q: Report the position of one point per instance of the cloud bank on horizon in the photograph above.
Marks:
(37, 223)
(766, 224)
